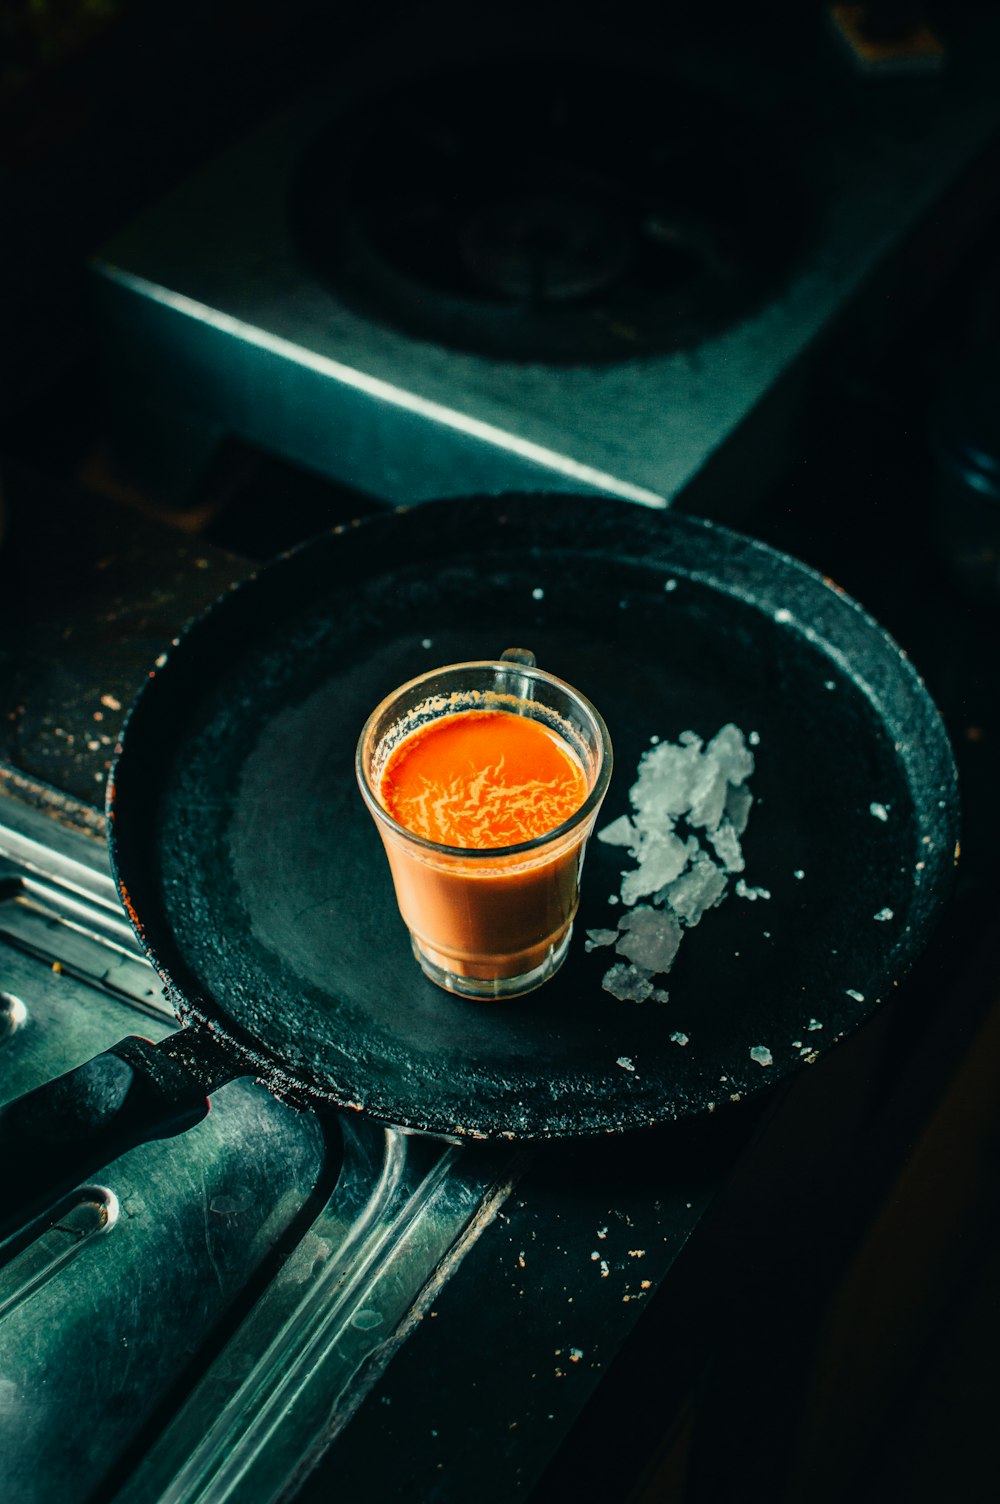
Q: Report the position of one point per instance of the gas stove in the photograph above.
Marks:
(215, 1307)
(485, 257)
(274, 1306)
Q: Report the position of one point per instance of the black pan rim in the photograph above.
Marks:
(940, 816)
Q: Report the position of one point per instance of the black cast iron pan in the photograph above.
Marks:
(256, 881)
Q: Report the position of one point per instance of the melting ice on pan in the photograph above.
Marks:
(689, 807)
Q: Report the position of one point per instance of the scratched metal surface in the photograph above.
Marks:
(100, 1319)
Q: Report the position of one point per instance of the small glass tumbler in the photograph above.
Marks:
(490, 922)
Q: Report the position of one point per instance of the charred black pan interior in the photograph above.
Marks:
(257, 882)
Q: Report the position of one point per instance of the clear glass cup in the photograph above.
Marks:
(492, 922)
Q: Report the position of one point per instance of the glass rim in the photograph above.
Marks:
(492, 853)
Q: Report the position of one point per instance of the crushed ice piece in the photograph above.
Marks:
(726, 844)
(798, 873)
(658, 995)
(662, 856)
(669, 585)
(858, 997)
(739, 802)
(538, 594)
(679, 1038)
(626, 983)
(702, 887)
(754, 738)
(878, 810)
(425, 642)
(796, 1044)
(625, 1063)
(730, 749)
(677, 877)
(666, 772)
(782, 614)
(620, 832)
(762, 1055)
(708, 796)
(815, 1024)
(884, 915)
(829, 684)
(599, 937)
(649, 938)
(743, 891)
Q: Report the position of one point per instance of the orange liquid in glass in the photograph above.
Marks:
(482, 780)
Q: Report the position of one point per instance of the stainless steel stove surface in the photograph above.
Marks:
(215, 1305)
(482, 260)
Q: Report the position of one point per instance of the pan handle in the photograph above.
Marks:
(56, 1137)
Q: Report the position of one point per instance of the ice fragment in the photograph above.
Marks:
(689, 807)
(650, 939)
(599, 937)
(619, 833)
(739, 801)
(700, 888)
(626, 983)
(762, 1055)
(727, 847)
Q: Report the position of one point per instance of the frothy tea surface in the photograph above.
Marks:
(482, 779)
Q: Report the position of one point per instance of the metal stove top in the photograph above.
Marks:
(200, 1322)
(285, 294)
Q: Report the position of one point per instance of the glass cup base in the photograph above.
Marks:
(495, 987)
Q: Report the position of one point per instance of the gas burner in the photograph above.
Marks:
(514, 210)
